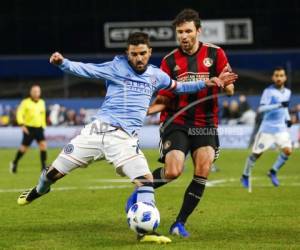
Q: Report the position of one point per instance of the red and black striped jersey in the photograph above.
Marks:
(207, 62)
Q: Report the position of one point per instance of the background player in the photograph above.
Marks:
(192, 60)
(31, 116)
(130, 83)
(273, 129)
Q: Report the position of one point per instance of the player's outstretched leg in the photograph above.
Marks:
(144, 192)
(29, 195)
(47, 178)
(247, 170)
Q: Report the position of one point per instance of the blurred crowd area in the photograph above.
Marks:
(239, 111)
(231, 112)
(56, 115)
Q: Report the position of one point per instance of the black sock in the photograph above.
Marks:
(43, 156)
(18, 157)
(159, 177)
(192, 197)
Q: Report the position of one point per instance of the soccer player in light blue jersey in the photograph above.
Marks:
(130, 83)
(273, 129)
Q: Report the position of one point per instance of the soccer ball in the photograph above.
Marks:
(143, 217)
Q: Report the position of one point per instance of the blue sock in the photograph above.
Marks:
(282, 158)
(44, 183)
(145, 194)
(249, 164)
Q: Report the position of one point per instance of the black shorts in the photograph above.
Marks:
(188, 139)
(34, 134)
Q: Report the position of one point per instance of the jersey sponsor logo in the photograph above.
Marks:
(68, 149)
(193, 76)
(146, 88)
(208, 62)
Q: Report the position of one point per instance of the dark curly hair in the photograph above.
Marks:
(137, 38)
(187, 15)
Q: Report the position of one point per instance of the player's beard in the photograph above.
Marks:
(140, 67)
(279, 84)
(187, 46)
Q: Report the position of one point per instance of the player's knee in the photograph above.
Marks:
(174, 164)
(172, 173)
(23, 148)
(203, 169)
(53, 174)
(135, 168)
(43, 145)
(287, 151)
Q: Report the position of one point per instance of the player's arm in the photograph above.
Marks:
(222, 63)
(288, 119)
(88, 70)
(159, 104)
(224, 79)
(229, 90)
(20, 116)
(266, 104)
(268, 107)
(44, 124)
(20, 113)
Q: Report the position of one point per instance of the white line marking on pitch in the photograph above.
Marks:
(17, 190)
(213, 183)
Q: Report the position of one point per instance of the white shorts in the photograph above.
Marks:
(264, 141)
(97, 141)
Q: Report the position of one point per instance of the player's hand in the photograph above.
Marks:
(214, 81)
(288, 123)
(285, 104)
(227, 76)
(25, 130)
(56, 58)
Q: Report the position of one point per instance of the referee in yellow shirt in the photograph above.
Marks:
(31, 116)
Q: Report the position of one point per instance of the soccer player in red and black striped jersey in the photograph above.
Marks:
(195, 129)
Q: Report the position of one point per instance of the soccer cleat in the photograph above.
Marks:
(245, 181)
(13, 167)
(178, 229)
(273, 177)
(153, 237)
(131, 200)
(28, 196)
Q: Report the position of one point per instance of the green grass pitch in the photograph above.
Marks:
(85, 210)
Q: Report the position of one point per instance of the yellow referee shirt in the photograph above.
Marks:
(31, 113)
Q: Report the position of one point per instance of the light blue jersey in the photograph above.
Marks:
(275, 116)
(128, 92)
